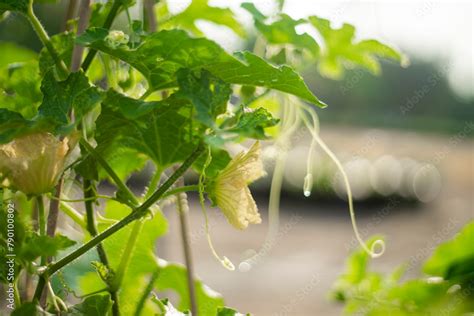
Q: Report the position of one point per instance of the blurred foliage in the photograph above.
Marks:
(448, 291)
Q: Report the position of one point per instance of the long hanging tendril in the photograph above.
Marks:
(314, 130)
(290, 123)
(223, 260)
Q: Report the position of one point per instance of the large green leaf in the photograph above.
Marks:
(162, 54)
(159, 129)
(282, 31)
(454, 258)
(174, 277)
(201, 10)
(341, 47)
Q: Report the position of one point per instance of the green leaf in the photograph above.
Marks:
(59, 97)
(30, 309)
(161, 55)
(201, 10)
(95, 305)
(282, 31)
(174, 277)
(12, 53)
(20, 87)
(159, 129)
(252, 123)
(208, 94)
(35, 246)
(454, 258)
(341, 47)
(14, 5)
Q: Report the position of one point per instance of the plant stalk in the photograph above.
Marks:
(43, 36)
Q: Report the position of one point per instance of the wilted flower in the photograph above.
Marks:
(230, 191)
(33, 163)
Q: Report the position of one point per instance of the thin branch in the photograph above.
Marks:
(44, 37)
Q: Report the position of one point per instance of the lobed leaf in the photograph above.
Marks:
(161, 55)
(282, 31)
(341, 47)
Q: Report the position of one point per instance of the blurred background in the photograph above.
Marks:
(405, 139)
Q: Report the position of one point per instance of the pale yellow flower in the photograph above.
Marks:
(230, 188)
(33, 163)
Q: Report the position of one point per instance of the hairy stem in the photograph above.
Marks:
(137, 213)
(107, 24)
(44, 37)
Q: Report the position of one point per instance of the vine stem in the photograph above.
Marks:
(89, 193)
(43, 36)
(137, 213)
(107, 24)
(134, 234)
(131, 199)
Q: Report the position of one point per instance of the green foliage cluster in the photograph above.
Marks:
(160, 96)
(447, 289)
